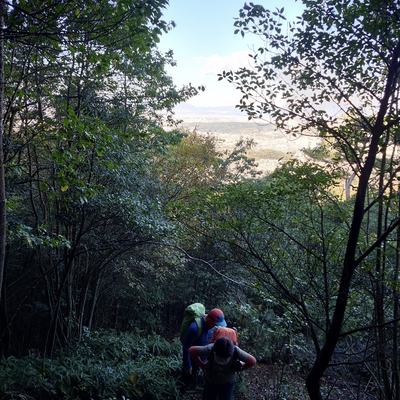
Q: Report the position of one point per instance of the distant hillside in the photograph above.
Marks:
(229, 125)
(244, 128)
(189, 114)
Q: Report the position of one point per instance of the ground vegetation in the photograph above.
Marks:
(112, 224)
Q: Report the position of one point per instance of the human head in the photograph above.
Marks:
(224, 347)
(215, 317)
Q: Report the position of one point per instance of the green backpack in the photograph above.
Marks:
(192, 313)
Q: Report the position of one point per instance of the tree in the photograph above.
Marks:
(195, 163)
(3, 214)
(46, 32)
(336, 54)
(85, 102)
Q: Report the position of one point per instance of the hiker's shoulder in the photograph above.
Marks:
(194, 326)
(240, 352)
(205, 350)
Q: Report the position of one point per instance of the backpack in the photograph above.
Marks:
(192, 313)
(225, 332)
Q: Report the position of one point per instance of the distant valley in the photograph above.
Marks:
(229, 125)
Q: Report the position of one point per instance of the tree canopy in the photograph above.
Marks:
(334, 73)
(86, 96)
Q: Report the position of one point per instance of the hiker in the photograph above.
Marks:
(214, 318)
(223, 360)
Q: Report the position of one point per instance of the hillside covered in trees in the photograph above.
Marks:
(113, 217)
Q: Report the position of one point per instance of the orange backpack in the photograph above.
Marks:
(225, 332)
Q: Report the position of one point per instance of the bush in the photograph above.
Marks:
(105, 365)
(269, 333)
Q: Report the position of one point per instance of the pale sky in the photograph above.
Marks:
(204, 44)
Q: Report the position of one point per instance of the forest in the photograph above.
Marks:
(114, 218)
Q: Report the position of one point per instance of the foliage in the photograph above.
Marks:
(260, 330)
(334, 74)
(86, 100)
(115, 222)
(242, 128)
(288, 231)
(105, 365)
(269, 154)
(194, 164)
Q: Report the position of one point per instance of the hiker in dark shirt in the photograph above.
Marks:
(214, 318)
(223, 360)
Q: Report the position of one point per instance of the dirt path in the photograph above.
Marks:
(270, 382)
(261, 382)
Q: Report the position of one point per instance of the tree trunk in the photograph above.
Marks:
(3, 309)
(396, 372)
(94, 301)
(347, 185)
(321, 363)
(81, 307)
(382, 364)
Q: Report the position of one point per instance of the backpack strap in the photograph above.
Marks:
(236, 361)
(211, 360)
(199, 326)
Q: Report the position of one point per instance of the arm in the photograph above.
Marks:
(195, 357)
(251, 361)
(248, 359)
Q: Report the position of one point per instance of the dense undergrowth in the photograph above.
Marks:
(105, 365)
(124, 365)
(108, 364)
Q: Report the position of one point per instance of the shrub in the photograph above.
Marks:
(105, 365)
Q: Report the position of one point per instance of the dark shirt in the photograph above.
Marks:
(191, 339)
(221, 374)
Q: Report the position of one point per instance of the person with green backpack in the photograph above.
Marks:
(196, 330)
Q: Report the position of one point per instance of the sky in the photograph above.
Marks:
(204, 44)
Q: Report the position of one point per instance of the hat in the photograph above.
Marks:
(217, 316)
